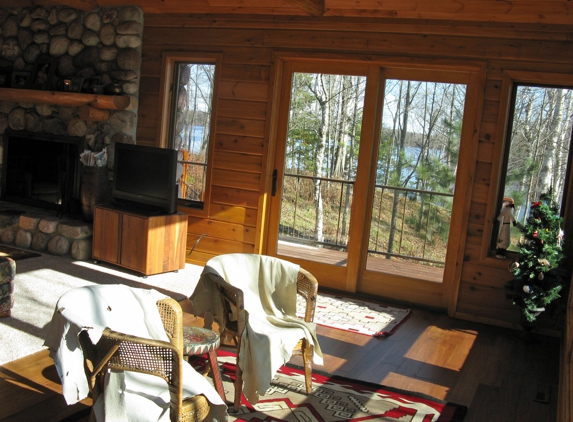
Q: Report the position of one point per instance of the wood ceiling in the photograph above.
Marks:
(509, 11)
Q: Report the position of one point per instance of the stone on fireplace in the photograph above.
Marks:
(41, 231)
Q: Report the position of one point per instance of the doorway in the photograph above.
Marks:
(365, 174)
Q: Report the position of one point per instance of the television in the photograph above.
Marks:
(145, 179)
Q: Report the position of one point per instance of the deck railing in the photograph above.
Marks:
(421, 221)
(192, 181)
(299, 211)
(420, 218)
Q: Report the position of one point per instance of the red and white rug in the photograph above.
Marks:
(335, 399)
(356, 315)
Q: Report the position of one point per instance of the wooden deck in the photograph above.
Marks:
(374, 264)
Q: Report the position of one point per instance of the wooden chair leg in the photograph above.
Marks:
(238, 387)
(307, 352)
(217, 380)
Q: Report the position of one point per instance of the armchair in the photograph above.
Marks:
(123, 346)
(122, 352)
(253, 300)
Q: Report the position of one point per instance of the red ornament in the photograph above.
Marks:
(534, 235)
(536, 205)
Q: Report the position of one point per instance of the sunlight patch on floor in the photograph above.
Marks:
(445, 348)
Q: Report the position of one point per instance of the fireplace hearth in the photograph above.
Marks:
(41, 170)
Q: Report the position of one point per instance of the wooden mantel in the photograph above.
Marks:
(104, 102)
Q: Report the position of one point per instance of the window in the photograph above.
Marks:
(187, 103)
(190, 127)
(537, 152)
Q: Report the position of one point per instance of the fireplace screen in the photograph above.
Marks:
(40, 170)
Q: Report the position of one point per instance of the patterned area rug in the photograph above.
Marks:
(334, 399)
(356, 315)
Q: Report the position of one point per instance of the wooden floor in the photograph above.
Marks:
(485, 368)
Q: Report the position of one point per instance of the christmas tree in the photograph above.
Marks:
(538, 274)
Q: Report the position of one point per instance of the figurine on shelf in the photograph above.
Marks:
(505, 218)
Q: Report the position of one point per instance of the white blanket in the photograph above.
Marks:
(269, 289)
(130, 311)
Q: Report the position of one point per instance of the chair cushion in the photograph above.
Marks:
(6, 304)
(7, 275)
(7, 270)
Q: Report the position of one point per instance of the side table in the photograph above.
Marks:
(198, 341)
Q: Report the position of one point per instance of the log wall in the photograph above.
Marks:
(247, 43)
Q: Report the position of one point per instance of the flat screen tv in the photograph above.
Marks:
(145, 178)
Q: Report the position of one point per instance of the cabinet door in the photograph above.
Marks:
(166, 243)
(106, 235)
(134, 238)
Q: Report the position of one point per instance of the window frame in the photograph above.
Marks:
(169, 61)
(510, 80)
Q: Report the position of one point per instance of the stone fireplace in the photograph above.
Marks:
(41, 170)
(41, 135)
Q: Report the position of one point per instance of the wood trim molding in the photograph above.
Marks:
(465, 178)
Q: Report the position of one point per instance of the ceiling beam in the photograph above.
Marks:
(312, 7)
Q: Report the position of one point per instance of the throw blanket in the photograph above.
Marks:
(273, 329)
(130, 311)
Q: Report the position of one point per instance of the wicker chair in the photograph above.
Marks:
(235, 321)
(124, 352)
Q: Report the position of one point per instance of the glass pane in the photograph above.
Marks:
(320, 165)
(540, 138)
(192, 121)
(416, 173)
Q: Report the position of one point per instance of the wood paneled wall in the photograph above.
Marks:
(235, 219)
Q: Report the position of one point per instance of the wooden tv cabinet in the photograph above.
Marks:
(147, 244)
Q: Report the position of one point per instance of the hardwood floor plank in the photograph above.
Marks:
(484, 406)
(370, 357)
(31, 385)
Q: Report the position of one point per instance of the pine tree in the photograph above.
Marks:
(539, 273)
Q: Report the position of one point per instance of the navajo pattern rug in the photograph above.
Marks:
(336, 399)
(356, 315)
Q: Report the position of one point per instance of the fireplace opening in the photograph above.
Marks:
(41, 170)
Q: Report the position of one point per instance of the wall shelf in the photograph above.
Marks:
(75, 99)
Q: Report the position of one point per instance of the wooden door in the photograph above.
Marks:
(134, 240)
(317, 217)
(342, 255)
